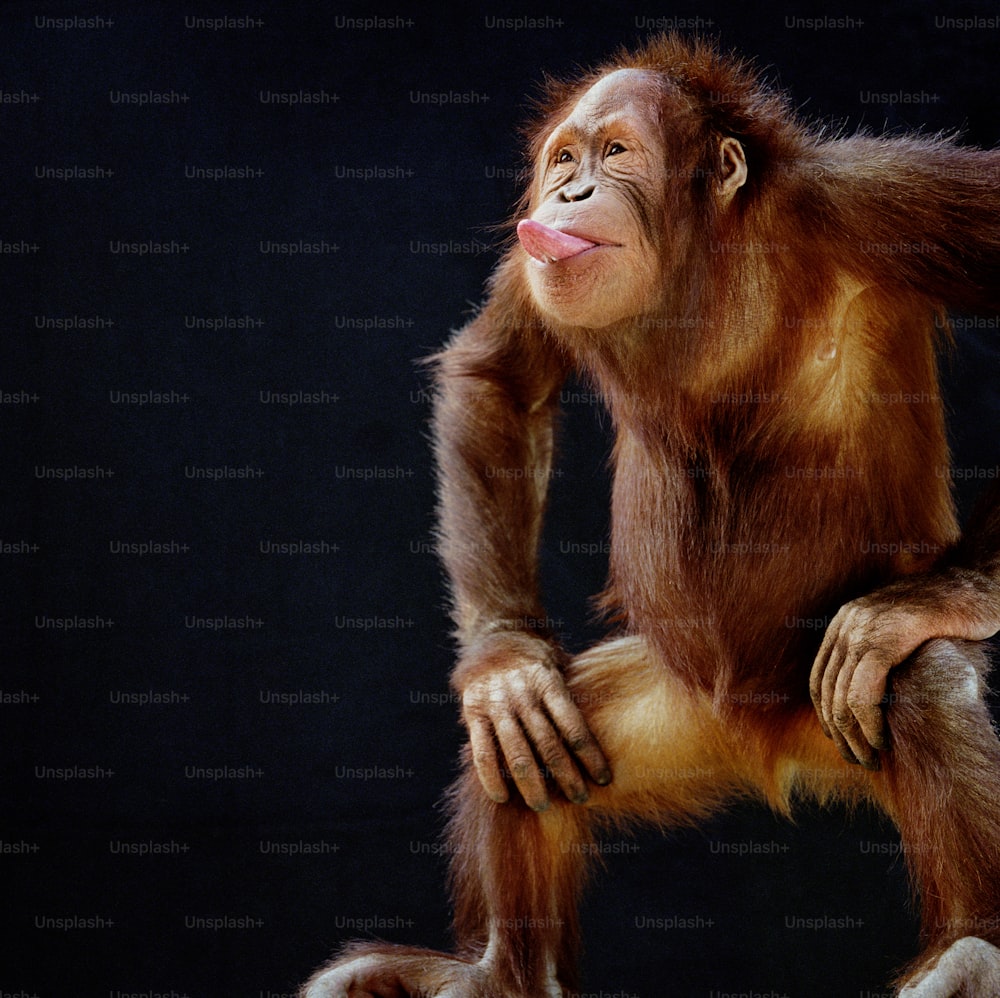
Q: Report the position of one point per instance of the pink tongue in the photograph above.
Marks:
(547, 244)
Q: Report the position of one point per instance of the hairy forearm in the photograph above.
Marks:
(495, 405)
(494, 464)
(976, 561)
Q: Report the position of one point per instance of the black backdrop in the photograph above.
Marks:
(224, 710)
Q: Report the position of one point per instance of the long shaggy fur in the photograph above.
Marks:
(780, 451)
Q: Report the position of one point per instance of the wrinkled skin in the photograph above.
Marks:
(872, 635)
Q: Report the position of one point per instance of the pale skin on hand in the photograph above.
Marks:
(865, 641)
(529, 705)
(511, 711)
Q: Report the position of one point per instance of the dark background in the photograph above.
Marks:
(173, 821)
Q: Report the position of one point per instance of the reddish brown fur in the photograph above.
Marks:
(749, 406)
